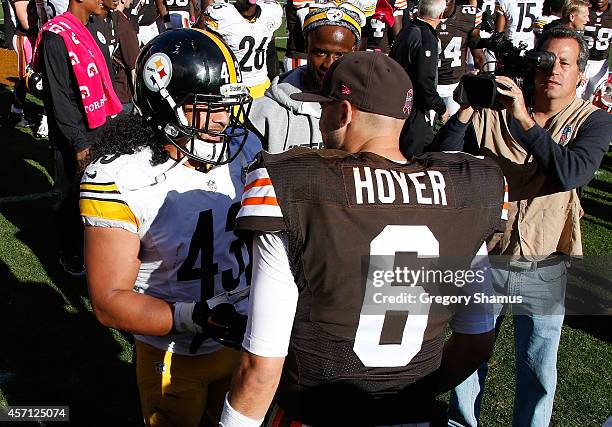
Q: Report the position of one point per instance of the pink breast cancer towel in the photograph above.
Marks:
(97, 93)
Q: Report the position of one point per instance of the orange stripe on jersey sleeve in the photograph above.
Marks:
(298, 4)
(260, 182)
(265, 200)
(505, 205)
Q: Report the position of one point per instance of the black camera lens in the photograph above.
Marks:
(541, 60)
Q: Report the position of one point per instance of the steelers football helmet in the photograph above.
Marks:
(193, 67)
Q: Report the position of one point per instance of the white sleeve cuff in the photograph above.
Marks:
(232, 418)
(182, 316)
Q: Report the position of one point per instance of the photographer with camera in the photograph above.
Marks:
(549, 143)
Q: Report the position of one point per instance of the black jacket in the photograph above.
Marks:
(62, 97)
(417, 52)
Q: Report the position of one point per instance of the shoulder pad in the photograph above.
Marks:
(222, 12)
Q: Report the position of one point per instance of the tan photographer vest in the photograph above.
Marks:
(542, 219)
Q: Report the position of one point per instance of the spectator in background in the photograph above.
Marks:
(417, 52)
(551, 11)
(574, 15)
(597, 35)
(282, 122)
(517, 19)
(9, 25)
(49, 9)
(295, 13)
(144, 17)
(459, 32)
(383, 26)
(25, 35)
(102, 27)
(124, 57)
(78, 97)
(176, 13)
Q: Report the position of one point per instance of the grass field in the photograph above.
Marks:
(54, 352)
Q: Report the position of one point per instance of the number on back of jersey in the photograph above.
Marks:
(253, 57)
(176, 3)
(452, 51)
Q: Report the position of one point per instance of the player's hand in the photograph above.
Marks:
(226, 325)
(221, 323)
(513, 100)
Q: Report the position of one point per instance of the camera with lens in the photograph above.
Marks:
(480, 90)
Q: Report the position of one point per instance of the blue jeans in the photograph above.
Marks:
(537, 330)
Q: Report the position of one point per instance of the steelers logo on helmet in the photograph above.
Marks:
(157, 72)
(185, 71)
(334, 15)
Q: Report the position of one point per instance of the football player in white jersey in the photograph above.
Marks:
(247, 26)
(516, 19)
(162, 259)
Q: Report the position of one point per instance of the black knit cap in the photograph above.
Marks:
(370, 81)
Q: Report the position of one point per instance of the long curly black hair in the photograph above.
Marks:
(127, 135)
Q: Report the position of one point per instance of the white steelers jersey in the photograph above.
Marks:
(520, 15)
(184, 220)
(247, 39)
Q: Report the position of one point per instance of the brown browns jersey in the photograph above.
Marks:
(377, 30)
(454, 34)
(348, 216)
(177, 5)
(597, 33)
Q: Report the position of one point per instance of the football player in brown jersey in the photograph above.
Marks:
(347, 347)
(458, 30)
(597, 33)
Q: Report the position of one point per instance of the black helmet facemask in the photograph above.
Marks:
(184, 135)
